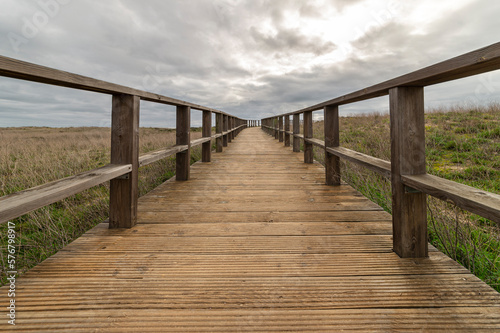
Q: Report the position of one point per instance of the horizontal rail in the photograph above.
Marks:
(469, 198)
(375, 164)
(316, 142)
(18, 69)
(20, 203)
(160, 154)
(476, 62)
(200, 141)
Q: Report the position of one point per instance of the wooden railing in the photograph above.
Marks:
(122, 172)
(407, 169)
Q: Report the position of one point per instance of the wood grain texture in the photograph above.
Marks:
(219, 129)
(287, 131)
(20, 203)
(261, 265)
(206, 150)
(476, 62)
(308, 134)
(296, 131)
(332, 140)
(183, 137)
(375, 164)
(479, 202)
(409, 210)
(280, 129)
(124, 193)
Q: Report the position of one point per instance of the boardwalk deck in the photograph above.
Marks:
(253, 242)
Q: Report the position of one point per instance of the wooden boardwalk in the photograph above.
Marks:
(253, 242)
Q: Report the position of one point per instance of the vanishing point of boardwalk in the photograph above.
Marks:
(253, 242)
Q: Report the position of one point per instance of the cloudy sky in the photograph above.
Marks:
(250, 58)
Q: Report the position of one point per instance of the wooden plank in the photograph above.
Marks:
(409, 210)
(200, 141)
(296, 131)
(206, 151)
(161, 154)
(482, 60)
(124, 192)
(315, 142)
(20, 203)
(31, 72)
(483, 203)
(308, 134)
(183, 135)
(332, 140)
(375, 164)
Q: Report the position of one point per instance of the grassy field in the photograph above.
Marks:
(35, 156)
(463, 145)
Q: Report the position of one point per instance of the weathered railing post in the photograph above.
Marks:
(183, 137)
(409, 212)
(308, 133)
(206, 148)
(276, 128)
(224, 129)
(287, 130)
(296, 130)
(218, 129)
(229, 128)
(124, 191)
(332, 139)
(280, 129)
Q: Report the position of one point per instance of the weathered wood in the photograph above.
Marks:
(124, 150)
(225, 127)
(20, 203)
(483, 203)
(332, 140)
(199, 141)
(287, 131)
(308, 134)
(375, 164)
(274, 270)
(206, 151)
(280, 129)
(409, 210)
(482, 60)
(276, 128)
(229, 129)
(296, 130)
(219, 129)
(315, 142)
(31, 72)
(161, 154)
(183, 135)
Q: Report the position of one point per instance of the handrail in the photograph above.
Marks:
(125, 158)
(407, 169)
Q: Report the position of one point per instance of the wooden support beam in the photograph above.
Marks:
(124, 192)
(287, 131)
(308, 133)
(276, 128)
(280, 129)
(219, 130)
(206, 150)
(332, 140)
(296, 130)
(409, 211)
(224, 130)
(229, 128)
(183, 137)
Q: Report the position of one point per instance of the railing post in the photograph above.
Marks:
(233, 126)
(206, 149)
(332, 139)
(287, 129)
(296, 130)
(218, 129)
(183, 137)
(409, 211)
(308, 133)
(224, 129)
(276, 128)
(280, 128)
(124, 192)
(229, 127)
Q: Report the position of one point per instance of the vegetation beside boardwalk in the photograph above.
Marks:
(463, 145)
(33, 156)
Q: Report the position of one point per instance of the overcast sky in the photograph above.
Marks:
(250, 58)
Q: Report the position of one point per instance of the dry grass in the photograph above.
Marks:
(34, 156)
